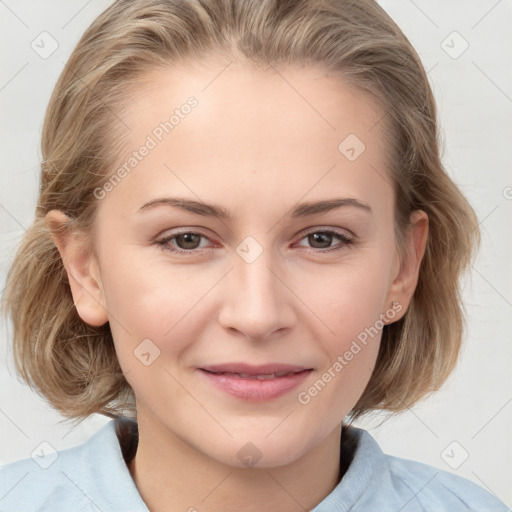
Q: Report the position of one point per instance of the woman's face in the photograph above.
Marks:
(259, 169)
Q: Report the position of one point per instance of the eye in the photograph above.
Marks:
(321, 240)
(190, 242)
(186, 242)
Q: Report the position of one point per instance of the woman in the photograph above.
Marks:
(244, 240)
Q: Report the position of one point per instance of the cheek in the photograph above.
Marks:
(355, 321)
(159, 302)
(349, 297)
(351, 306)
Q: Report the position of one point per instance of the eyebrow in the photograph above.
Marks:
(212, 210)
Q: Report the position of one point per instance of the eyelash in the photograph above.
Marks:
(346, 241)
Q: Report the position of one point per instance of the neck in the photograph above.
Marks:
(171, 475)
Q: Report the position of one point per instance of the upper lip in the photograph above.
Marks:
(263, 369)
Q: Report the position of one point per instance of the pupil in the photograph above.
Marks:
(323, 238)
(188, 240)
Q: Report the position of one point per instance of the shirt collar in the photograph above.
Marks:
(116, 443)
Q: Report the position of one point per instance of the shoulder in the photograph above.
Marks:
(48, 479)
(375, 481)
(87, 477)
(431, 487)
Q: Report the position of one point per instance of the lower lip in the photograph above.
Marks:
(254, 389)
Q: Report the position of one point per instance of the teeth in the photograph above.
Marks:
(265, 377)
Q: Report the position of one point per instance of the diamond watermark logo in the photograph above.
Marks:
(44, 45)
(44, 455)
(249, 250)
(352, 147)
(249, 454)
(147, 352)
(454, 45)
(455, 455)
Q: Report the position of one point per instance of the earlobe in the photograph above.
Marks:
(404, 283)
(80, 267)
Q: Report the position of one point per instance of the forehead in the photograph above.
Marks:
(237, 131)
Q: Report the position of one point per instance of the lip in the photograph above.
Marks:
(249, 386)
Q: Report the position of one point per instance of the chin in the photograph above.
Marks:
(261, 452)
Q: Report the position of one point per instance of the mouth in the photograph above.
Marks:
(256, 383)
(253, 370)
(263, 376)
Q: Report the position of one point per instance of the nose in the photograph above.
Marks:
(256, 300)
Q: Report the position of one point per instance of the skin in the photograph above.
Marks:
(257, 147)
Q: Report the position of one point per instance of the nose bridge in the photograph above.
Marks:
(255, 302)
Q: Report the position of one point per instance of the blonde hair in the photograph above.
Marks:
(73, 364)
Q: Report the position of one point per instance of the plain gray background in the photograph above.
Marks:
(467, 48)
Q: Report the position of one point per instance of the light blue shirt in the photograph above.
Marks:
(93, 477)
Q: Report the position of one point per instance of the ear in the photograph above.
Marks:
(405, 279)
(81, 267)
